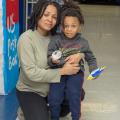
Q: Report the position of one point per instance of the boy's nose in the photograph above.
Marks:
(69, 28)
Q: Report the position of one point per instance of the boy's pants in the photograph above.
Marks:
(69, 87)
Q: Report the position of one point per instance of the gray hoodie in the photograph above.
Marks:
(72, 46)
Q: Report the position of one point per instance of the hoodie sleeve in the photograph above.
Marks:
(89, 57)
(53, 46)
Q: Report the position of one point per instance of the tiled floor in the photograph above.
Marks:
(102, 102)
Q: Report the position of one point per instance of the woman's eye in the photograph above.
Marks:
(46, 15)
(54, 17)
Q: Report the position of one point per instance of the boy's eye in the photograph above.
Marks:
(72, 26)
(66, 26)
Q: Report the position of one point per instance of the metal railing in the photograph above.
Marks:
(29, 9)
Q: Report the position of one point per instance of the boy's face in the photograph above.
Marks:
(71, 26)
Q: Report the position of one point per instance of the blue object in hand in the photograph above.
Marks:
(94, 74)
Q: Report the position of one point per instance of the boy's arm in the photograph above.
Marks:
(52, 46)
(90, 58)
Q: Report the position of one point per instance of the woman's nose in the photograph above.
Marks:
(50, 19)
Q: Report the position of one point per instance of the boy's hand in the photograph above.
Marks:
(55, 61)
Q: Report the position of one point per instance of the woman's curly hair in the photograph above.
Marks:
(38, 11)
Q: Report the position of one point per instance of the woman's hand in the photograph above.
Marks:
(75, 58)
(69, 69)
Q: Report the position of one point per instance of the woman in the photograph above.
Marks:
(34, 79)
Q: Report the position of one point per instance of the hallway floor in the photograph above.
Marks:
(102, 29)
(102, 100)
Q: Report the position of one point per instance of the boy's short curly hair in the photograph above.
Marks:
(71, 8)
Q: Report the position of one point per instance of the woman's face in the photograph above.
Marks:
(48, 20)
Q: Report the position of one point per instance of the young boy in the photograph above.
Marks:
(69, 42)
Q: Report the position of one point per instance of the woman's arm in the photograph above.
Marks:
(35, 73)
(69, 69)
(29, 65)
